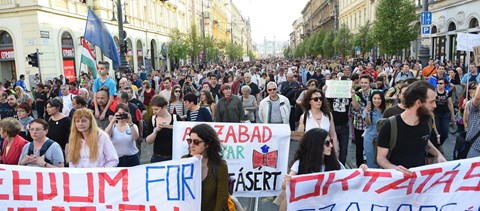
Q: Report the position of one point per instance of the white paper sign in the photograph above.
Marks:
(338, 89)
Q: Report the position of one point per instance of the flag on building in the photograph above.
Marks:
(97, 34)
(88, 59)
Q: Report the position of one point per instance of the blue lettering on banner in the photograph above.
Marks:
(428, 207)
(353, 203)
(378, 207)
(175, 177)
(405, 205)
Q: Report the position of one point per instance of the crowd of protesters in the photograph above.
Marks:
(107, 120)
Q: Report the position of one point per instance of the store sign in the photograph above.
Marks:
(7, 54)
(68, 52)
(69, 69)
(44, 34)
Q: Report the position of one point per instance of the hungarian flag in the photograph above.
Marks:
(88, 59)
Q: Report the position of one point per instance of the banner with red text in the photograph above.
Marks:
(256, 154)
(172, 185)
(450, 186)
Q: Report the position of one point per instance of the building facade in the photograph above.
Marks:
(450, 17)
(356, 13)
(55, 28)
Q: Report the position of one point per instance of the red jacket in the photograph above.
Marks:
(14, 152)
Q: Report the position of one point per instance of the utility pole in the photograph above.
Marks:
(124, 68)
(424, 52)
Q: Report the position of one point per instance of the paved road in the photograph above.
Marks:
(265, 204)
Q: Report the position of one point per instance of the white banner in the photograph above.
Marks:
(256, 154)
(172, 185)
(450, 186)
(338, 89)
(466, 41)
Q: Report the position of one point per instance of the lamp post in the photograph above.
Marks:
(424, 52)
(124, 68)
(204, 56)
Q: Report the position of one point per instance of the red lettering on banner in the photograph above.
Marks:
(375, 175)
(66, 189)
(53, 187)
(230, 134)
(3, 196)
(448, 183)
(344, 181)
(430, 173)
(242, 134)
(219, 129)
(186, 133)
(122, 175)
(57, 208)
(123, 207)
(27, 209)
(395, 185)
(469, 175)
(256, 134)
(265, 130)
(17, 181)
(88, 208)
(316, 191)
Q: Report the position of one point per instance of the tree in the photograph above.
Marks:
(327, 45)
(317, 46)
(212, 52)
(176, 46)
(287, 52)
(343, 41)
(234, 52)
(193, 43)
(394, 26)
(251, 54)
(309, 46)
(364, 39)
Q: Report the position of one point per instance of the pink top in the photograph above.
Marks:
(107, 155)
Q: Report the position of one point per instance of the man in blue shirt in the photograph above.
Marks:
(103, 81)
(21, 83)
(471, 76)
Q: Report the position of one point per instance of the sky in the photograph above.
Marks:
(271, 18)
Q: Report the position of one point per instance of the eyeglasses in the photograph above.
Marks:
(35, 130)
(195, 141)
(440, 83)
(316, 99)
(274, 89)
(328, 142)
(21, 111)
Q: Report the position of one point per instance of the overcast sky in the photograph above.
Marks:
(271, 18)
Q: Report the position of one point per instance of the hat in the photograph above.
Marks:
(225, 86)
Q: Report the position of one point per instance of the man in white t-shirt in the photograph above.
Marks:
(167, 91)
(67, 98)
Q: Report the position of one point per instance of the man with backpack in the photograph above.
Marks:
(411, 130)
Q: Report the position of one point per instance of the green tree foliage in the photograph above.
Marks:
(299, 50)
(343, 41)
(394, 26)
(234, 52)
(327, 45)
(317, 46)
(252, 55)
(308, 46)
(177, 49)
(212, 52)
(193, 43)
(364, 39)
(287, 52)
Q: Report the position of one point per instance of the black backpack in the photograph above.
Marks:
(42, 151)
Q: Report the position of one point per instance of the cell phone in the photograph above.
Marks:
(369, 103)
(122, 116)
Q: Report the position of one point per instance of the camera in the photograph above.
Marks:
(122, 116)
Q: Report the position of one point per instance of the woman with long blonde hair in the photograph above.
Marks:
(88, 145)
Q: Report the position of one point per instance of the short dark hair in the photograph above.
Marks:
(25, 106)
(159, 101)
(80, 100)
(56, 102)
(367, 76)
(124, 96)
(122, 106)
(107, 65)
(417, 91)
(40, 121)
(73, 83)
(22, 76)
(190, 98)
(41, 86)
(15, 95)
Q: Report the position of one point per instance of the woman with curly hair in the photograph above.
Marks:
(204, 142)
(88, 145)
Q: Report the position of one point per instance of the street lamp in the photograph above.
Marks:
(122, 34)
(424, 52)
(204, 56)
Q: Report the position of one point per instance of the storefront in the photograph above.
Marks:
(7, 57)
(68, 57)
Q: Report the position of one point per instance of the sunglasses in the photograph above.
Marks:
(440, 83)
(274, 89)
(328, 143)
(177, 91)
(316, 99)
(195, 141)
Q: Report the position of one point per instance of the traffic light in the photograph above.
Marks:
(33, 59)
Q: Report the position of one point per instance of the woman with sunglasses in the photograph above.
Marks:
(317, 114)
(444, 112)
(372, 113)
(123, 134)
(175, 103)
(315, 154)
(204, 142)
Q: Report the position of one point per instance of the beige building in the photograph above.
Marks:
(56, 27)
(296, 35)
(241, 30)
(356, 13)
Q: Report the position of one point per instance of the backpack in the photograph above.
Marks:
(42, 151)
(393, 135)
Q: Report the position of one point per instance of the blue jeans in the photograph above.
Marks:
(368, 148)
(442, 121)
(343, 134)
(128, 161)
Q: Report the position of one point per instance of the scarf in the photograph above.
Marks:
(25, 123)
